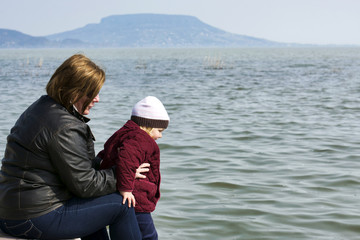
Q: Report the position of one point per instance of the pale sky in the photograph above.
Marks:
(290, 21)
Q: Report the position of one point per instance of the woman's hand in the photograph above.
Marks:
(129, 197)
(142, 168)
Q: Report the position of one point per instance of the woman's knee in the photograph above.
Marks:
(114, 204)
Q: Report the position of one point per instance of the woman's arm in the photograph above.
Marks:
(70, 152)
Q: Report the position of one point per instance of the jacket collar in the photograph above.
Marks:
(83, 119)
(79, 116)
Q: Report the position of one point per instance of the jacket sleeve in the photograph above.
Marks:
(69, 152)
(130, 156)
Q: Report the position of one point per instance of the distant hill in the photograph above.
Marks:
(158, 30)
(138, 30)
(15, 39)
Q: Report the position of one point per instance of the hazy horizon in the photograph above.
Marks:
(297, 21)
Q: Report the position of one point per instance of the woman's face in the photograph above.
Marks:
(79, 105)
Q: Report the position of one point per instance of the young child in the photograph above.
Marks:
(128, 148)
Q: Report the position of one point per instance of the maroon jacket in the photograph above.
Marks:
(127, 149)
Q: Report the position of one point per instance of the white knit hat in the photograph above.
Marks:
(150, 112)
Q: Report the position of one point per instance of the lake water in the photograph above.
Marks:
(262, 143)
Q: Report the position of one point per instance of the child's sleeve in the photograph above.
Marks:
(129, 159)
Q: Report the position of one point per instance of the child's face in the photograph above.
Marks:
(156, 133)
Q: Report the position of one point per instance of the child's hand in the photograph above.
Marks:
(129, 197)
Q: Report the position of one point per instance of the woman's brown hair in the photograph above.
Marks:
(78, 76)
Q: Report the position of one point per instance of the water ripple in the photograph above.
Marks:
(265, 148)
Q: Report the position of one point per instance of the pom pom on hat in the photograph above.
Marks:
(150, 112)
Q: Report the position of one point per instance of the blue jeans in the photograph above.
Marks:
(80, 217)
(147, 226)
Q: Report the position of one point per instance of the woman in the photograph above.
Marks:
(50, 185)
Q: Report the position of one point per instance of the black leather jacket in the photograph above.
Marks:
(49, 158)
